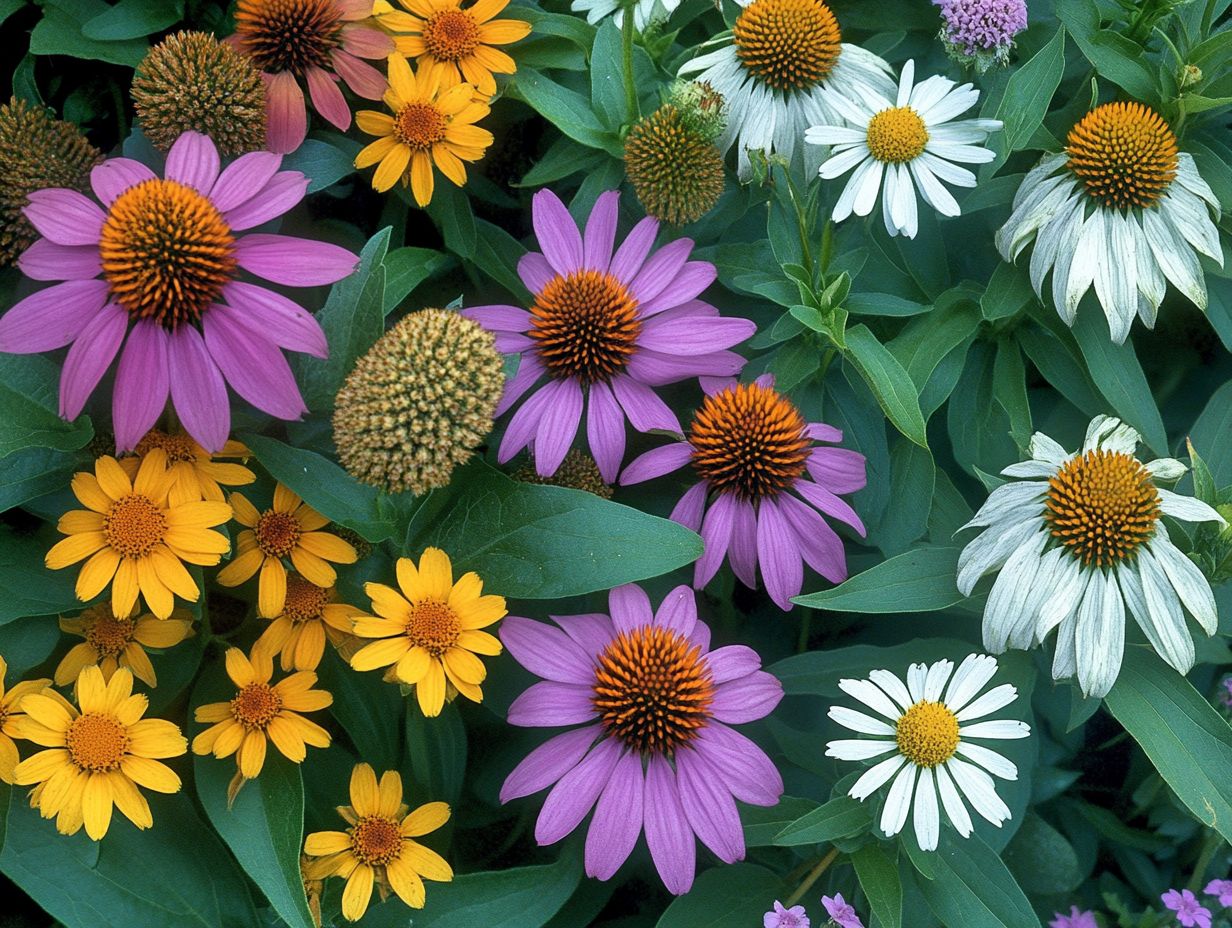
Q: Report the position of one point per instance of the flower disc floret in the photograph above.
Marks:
(1102, 506)
(897, 135)
(1124, 153)
(789, 45)
(585, 324)
(927, 733)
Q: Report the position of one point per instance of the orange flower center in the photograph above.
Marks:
(652, 690)
(376, 840)
(788, 44)
(1124, 153)
(749, 440)
(450, 35)
(586, 326)
(166, 252)
(897, 135)
(1103, 506)
(108, 635)
(96, 742)
(433, 626)
(277, 533)
(179, 448)
(255, 705)
(134, 526)
(288, 35)
(419, 126)
(305, 601)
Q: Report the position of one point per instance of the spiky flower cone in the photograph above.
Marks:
(190, 80)
(675, 169)
(419, 402)
(36, 151)
(578, 471)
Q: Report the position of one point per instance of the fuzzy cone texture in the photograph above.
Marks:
(676, 172)
(578, 471)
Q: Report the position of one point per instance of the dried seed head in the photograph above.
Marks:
(578, 471)
(675, 170)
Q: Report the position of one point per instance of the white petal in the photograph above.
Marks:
(1099, 639)
(1005, 729)
(875, 777)
(938, 675)
(1166, 469)
(859, 748)
(974, 562)
(1186, 508)
(870, 183)
(834, 135)
(1008, 498)
(839, 164)
(893, 686)
(1044, 449)
(1150, 599)
(1190, 584)
(954, 806)
(1063, 665)
(1174, 256)
(1006, 620)
(1070, 583)
(872, 696)
(996, 698)
(972, 674)
(980, 791)
(917, 674)
(927, 818)
(858, 721)
(905, 80)
(898, 802)
(1082, 266)
(991, 761)
(1032, 469)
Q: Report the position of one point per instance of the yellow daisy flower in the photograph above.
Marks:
(111, 643)
(308, 617)
(289, 529)
(456, 43)
(430, 631)
(262, 712)
(10, 714)
(379, 848)
(428, 126)
(198, 475)
(136, 537)
(98, 756)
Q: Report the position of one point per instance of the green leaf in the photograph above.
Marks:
(607, 85)
(913, 478)
(368, 708)
(1114, 56)
(26, 643)
(922, 580)
(29, 386)
(27, 587)
(882, 304)
(1042, 859)
(1212, 433)
(324, 485)
(543, 542)
(323, 163)
(566, 109)
(1008, 291)
(521, 897)
(1009, 388)
(406, 269)
(34, 472)
(762, 823)
(877, 871)
(59, 32)
(1189, 743)
(724, 897)
(1027, 96)
(971, 887)
(892, 386)
(841, 817)
(133, 19)
(436, 749)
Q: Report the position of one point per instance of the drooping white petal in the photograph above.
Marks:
(1008, 499)
(1186, 507)
(1044, 449)
(1006, 620)
(1063, 666)
(1157, 613)
(1070, 583)
(954, 806)
(1166, 469)
(1189, 582)
(987, 553)
(980, 790)
(1099, 639)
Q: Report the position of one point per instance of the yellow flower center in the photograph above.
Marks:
(376, 840)
(179, 448)
(288, 35)
(652, 689)
(897, 135)
(1103, 506)
(166, 252)
(433, 626)
(277, 533)
(419, 126)
(96, 742)
(134, 526)
(1124, 153)
(927, 734)
(305, 601)
(255, 705)
(788, 44)
(108, 635)
(586, 326)
(451, 35)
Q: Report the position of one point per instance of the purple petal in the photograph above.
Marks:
(575, 794)
(52, 317)
(45, 260)
(557, 426)
(547, 704)
(115, 175)
(830, 504)
(839, 470)
(712, 386)
(618, 819)
(546, 651)
(819, 543)
(732, 662)
(747, 698)
(765, 380)
(716, 536)
(678, 611)
(657, 462)
(630, 608)
(660, 270)
(535, 271)
(819, 431)
(656, 368)
(781, 566)
(141, 384)
(643, 406)
(327, 99)
(548, 763)
(605, 431)
(591, 631)
(688, 282)
(525, 422)
(282, 193)
(243, 179)
(692, 336)
(742, 551)
(193, 160)
(529, 372)
(601, 232)
(556, 232)
(741, 765)
(709, 807)
(296, 262)
(511, 343)
(65, 216)
(633, 250)
(499, 318)
(252, 364)
(700, 636)
(198, 391)
(689, 508)
(667, 829)
(89, 357)
(287, 323)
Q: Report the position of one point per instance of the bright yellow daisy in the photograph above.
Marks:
(308, 617)
(111, 643)
(379, 848)
(456, 43)
(10, 714)
(426, 125)
(429, 633)
(98, 756)
(198, 474)
(136, 537)
(261, 712)
(290, 528)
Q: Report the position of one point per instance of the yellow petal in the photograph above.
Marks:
(245, 512)
(252, 755)
(390, 790)
(241, 568)
(483, 612)
(320, 843)
(330, 547)
(484, 10)
(431, 690)
(96, 573)
(77, 659)
(125, 587)
(272, 592)
(172, 574)
(286, 739)
(435, 576)
(450, 165)
(479, 642)
(153, 481)
(136, 660)
(74, 548)
(465, 666)
(156, 594)
(359, 886)
(503, 31)
(239, 668)
(96, 805)
(426, 818)
(156, 738)
(405, 882)
(365, 794)
(421, 178)
(91, 692)
(309, 647)
(41, 766)
(380, 653)
(162, 633)
(129, 801)
(373, 152)
(111, 478)
(387, 602)
(374, 123)
(201, 514)
(80, 520)
(413, 665)
(86, 488)
(401, 80)
(285, 499)
(392, 167)
(427, 862)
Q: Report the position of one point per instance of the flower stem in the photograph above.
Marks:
(1209, 847)
(802, 644)
(813, 876)
(626, 49)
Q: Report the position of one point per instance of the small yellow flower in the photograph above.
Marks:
(98, 756)
(111, 643)
(456, 43)
(134, 532)
(308, 617)
(428, 125)
(10, 714)
(430, 631)
(197, 473)
(378, 847)
(289, 529)
(262, 712)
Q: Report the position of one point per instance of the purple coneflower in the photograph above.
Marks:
(164, 254)
(764, 486)
(604, 329)
(657, 750)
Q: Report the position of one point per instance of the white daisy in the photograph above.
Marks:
(1120, 208)
(909, 142)
(930, 738)
(1077, 543)
(771, 69)
(644, 11)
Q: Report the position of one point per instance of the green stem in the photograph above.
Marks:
(801, 225)
(827, 246)
(626, 51)
(802, 643)
(1209, 847)
(813, 877)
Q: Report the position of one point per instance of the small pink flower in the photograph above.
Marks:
(841, 913)
(779, 917)
(1075, 919)
(1222, 889)
(1189, 912)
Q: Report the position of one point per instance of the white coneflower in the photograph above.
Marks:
(645, 12)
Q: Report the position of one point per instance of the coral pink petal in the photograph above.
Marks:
(198, 390)
(366, 42)
(243, 179)
(115, 175)
(351, 10)
(365, 80)
(283, 191)
(285, 322)
(556, 232)
(327, 99)
(52, 317)
(65, 216)
(252, 364)
(92, 353)
(288, 115)
(296, 262)
(45, 260)
(141, 384)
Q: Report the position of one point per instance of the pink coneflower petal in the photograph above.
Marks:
(253, 366)
(839, 470)
(512, 343)
(365, 42)
(678, 611)
(817, 542)
(296, 262)
(656, 368)
(631, 254)
(643, 406)
(65, 216)
(629, 607)
(549, 704)
(709, 807)
(741, 765)
(361, 77)
(656, 463)
(591, 631)
(716, 534)
(52, 317)
(605, 431)
(693, 278)
(525, 424)
(660, 270)
(499, 318)
(546, 651)
(115, 175)
(781, 566)
(283, 321)
(830, 504)
(600, 235)
(193, 160)
(284, 190)
(576, 793)
(742, 552)
(668, 834)
(141, 384)
(45, 260)
(556, 232)
(535, 271)
(243, 179)
(529, 372)
(288, 115)
(689, 508)
(352, 10)
(557, 426)
(327, 99)
(685, 336)
(548, 763)
(198, 390)
(89, 357)
(819, 431)
(732, 661)
(751, 697)
(618, 819)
